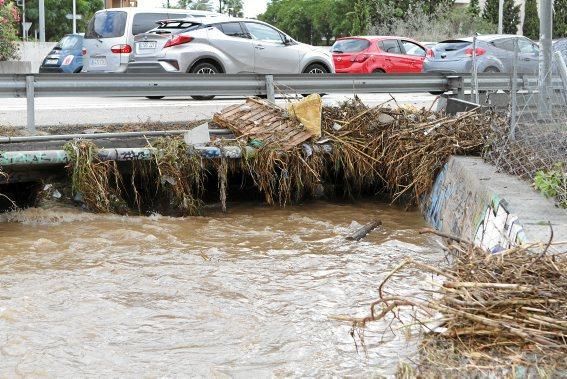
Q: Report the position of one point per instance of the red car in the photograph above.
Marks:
(368, 55)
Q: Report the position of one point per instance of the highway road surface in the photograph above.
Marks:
(113, 110)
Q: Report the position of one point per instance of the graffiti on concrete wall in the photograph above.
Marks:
(498, 229)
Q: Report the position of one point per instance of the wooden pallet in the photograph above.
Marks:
(263, 121)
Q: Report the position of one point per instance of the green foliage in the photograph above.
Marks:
(560, 19)
(553, 183)
(305, 20)
(444, 24)
(199, 5)
(511, 15)
(360, 16)
(474, 8)
(320, 21)
(56, 24)
(232, 8)
(9, 18)
(531, 20)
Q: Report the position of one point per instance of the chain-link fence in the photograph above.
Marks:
(533, 145)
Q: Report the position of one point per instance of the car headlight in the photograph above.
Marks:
(68, 60)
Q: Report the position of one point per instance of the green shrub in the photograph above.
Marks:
(437, 26)
(9, 18)
(553, 183)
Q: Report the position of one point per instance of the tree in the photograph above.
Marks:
(360, 17)
(531, 20)
(511, 15)
(474, 8)
(199, 5)
(232, 8)
(560, 19)
(313, 21)
(56, 22)
(9, 18)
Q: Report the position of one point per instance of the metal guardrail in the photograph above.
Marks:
(129, 85)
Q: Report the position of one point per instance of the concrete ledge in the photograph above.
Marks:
(15, 67)
(495, 210)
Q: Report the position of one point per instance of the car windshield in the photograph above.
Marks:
(350, 45)
(107, 24)
(70, 43)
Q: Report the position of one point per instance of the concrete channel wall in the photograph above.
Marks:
(471, 200)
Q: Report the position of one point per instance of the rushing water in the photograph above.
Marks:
(248, 294)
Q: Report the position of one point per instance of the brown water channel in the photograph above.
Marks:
(248, 294)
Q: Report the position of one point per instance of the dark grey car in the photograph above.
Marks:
(495, 53)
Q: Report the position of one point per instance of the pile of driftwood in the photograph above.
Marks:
(497, 312)
(398, 150)
(401, 148)
(357, 150)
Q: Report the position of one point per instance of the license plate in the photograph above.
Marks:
(98, 61)
(147, 44)
(52, 61)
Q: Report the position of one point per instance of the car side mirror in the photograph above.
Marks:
(287, 40)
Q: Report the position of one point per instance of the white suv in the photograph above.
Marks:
(225, 45)
(110, 34)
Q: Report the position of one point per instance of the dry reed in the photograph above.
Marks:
(362, 150)
(180, 176)
(96, 182)
(499, 312)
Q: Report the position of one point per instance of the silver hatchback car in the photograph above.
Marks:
(495, 53)
(224, 45)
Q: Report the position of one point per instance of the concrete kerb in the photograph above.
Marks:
(470, 199)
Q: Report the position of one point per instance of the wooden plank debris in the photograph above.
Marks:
(263, 121)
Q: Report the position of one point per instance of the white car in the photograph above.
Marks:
(225, 45)
(109, 38)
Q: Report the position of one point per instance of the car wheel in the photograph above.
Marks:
(155, 97)
(379, 71)
(493, 70)
(204, 68)
(316, 68)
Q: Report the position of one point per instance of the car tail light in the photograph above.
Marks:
(178, 40)
(121, 49)
(479, 51)
(430, 53)
(67, 61)
(359, 58)
(84, 51)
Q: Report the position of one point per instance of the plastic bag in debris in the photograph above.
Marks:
(308, 112)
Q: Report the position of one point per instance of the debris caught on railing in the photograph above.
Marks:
(361, 150)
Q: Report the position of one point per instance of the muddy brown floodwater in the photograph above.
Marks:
(248, 294)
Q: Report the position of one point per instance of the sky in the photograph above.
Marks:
(252, 8)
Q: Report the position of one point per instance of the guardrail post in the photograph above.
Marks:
(474, 81)
(457, 85)
(514, 91)
(30, 95)
(270, 91)
(562, 68)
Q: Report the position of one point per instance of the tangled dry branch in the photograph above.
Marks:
(497, 310)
